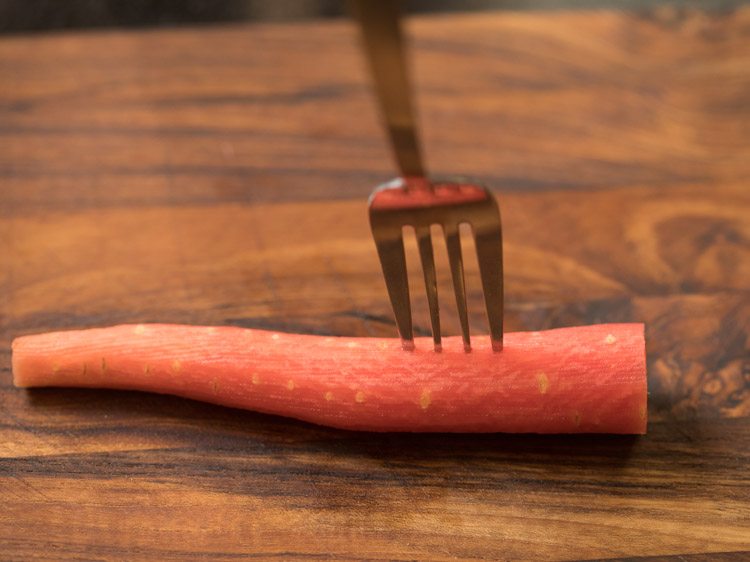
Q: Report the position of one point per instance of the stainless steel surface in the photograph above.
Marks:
(447, 204)
(384, 45)
(417, 202)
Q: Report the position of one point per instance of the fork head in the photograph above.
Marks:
(419, 203)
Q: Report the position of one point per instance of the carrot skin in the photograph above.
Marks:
(588, 379)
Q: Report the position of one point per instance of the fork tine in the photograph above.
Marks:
(453, 242)
(489, 244)
(426, 255)
(393, 262)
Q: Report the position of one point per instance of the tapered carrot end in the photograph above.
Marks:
(34, 361)
(22, 371)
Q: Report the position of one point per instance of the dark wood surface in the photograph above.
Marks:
(219, 176)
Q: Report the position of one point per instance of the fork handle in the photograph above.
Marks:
(380, 23)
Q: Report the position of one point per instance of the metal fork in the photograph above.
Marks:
(414, 200)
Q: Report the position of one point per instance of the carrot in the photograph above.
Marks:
(569, 380)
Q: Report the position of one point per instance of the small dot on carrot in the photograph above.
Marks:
(256, 378)
(359, 397)
(642, 412)
(275, 336)
(140, 329)
(543, 382)
(147, 369)
(176, 366)
(425, 399)
(85, 369)
(610, 338)
(214, 385)
(55, 367)
(104, 365)
(211, 330)
(577, 418)
(290, 385)
(351, 344)
(329, 396)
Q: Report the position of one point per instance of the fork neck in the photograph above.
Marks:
(417, 184)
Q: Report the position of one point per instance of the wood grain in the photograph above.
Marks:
(219, 176)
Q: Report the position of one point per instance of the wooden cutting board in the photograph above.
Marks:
(219, 176)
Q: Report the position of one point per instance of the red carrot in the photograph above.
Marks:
(570, 380)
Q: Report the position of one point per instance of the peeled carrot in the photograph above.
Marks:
(569, 380)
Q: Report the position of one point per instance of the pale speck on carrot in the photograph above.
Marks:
(147, 369)
(256, 378)
(290, 385)
(542, 382)
(610, 339)
(359, 397)
(55, 367)
(176, 366)
(352, 344)
(139, 330)
(328, 396)
(642, 412)
(275, 336)
(425, 399)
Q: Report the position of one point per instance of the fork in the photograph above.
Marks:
(416, 201)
